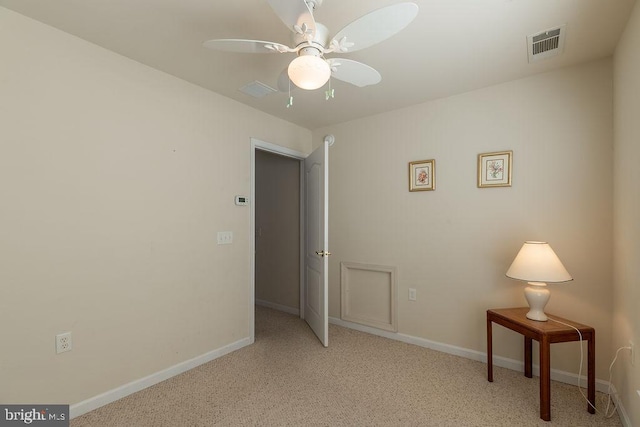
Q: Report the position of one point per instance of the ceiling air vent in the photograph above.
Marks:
(257, 89)
(546, 44)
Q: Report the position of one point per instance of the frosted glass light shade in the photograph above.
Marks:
(309, 72)
(537, 264)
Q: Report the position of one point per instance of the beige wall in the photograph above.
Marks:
(455, 244)
(277, 229)
(114, 179)
(626, 202)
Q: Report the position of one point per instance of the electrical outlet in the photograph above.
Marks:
(63, 342)
(412, 294)
(633, 353)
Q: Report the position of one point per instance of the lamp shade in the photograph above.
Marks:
(537, 262)
(309, 72)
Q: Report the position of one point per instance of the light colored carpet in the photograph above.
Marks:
(288, 379)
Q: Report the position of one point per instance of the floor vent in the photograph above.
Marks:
(257, 89)
(546, 44)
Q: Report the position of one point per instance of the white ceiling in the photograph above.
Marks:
(453, 46)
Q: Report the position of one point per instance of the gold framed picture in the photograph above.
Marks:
(494, 169)
(422, 175)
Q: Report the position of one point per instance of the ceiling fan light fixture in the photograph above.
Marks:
(309, 70)
(311, 40)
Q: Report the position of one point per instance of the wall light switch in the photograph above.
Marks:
(412, 294)
(225, 237)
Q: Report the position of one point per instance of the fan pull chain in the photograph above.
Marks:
(329, 94)
(290, 103)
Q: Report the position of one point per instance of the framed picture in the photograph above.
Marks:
(494, 169)
(422, 175)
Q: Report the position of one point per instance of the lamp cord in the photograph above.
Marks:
(608, 395)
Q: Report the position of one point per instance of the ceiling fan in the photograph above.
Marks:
(310, 41)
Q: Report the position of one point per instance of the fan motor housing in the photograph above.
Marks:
(313, 4)
(320, 38)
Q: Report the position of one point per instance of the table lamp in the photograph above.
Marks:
(537, 264)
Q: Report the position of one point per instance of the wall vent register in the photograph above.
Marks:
(546, 44)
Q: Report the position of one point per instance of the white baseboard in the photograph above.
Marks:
(278, 307)
(624, 417)
(110, 396)
(557, 375)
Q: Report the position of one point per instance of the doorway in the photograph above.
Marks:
(313, 235)
(266, 156)
(277, 232)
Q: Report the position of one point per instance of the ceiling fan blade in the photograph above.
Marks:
(375, 27)
(295, 14)
(245, 46)
(353, 72)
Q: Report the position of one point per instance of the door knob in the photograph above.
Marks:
(323, 253)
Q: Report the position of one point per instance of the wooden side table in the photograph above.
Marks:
(546, 333)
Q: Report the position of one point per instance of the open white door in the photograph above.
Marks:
(316, 262)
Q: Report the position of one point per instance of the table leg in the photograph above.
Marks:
(490, 351)
(591, 373)
(528, 363)
(545, 378)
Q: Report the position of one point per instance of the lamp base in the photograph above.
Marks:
(537, 296)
